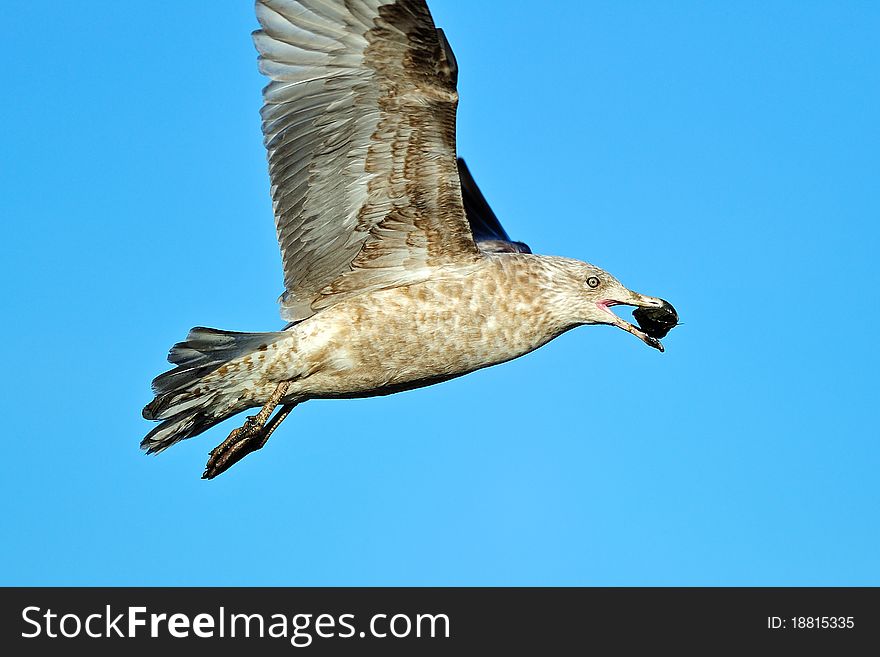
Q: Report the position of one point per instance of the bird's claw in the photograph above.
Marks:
(242, 441)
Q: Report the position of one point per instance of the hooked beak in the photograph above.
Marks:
(633, 299)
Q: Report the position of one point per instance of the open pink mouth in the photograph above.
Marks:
(606, 306)
(626, 326)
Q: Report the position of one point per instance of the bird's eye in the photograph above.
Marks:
(592, 281)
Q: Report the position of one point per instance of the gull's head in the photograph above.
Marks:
(592, 292)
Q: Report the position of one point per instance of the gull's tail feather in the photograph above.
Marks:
(206, 386)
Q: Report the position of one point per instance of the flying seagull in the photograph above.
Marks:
(397, 273)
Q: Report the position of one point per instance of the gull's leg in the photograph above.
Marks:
(272, 424)
(250, 437)
(240, 446)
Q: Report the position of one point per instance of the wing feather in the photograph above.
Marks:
(359, 125)
(488, 232)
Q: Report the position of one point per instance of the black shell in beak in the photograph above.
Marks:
(657, 322)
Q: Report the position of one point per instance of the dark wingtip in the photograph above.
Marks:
(488, 232)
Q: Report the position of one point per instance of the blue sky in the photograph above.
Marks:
(723, 156)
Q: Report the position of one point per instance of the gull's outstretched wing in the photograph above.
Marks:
(488, 232)
(359, 124)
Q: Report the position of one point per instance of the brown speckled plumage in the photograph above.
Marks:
(409, 336)
(397, 273)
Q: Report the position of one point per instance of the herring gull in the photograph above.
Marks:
(397, 274)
